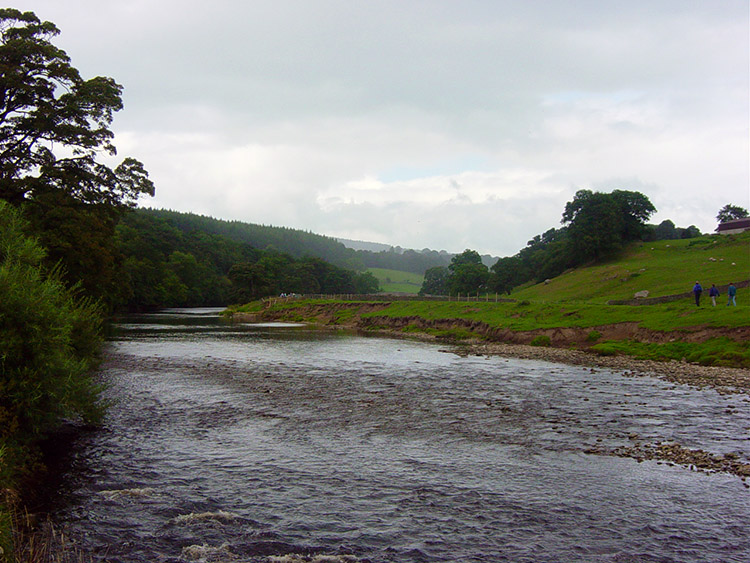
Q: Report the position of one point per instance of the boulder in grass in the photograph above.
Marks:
(641, 294)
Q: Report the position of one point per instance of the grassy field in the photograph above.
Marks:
(396, 281)
(527, 315)
(663, 268)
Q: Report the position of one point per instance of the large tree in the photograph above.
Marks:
(730, 212)
(599, 224)
(54, 125)
(54, 139)
(435, 281)
(467, 273)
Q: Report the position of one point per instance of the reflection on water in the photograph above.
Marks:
(253, 443)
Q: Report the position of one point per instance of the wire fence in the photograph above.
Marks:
(387, 297)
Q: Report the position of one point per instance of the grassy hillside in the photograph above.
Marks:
(663, 268)
(396, 281)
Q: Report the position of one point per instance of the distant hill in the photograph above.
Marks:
(300, 243)
(363, 245)
(295, 242)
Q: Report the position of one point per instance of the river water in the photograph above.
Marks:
(257, 442)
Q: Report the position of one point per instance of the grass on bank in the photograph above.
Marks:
(712, 352)
(527, 315)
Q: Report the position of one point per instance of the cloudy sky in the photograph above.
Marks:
(439, 124)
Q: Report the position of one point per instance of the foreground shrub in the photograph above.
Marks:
(541, 340)
(49, 339)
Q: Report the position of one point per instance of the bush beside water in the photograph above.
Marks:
(49, 338)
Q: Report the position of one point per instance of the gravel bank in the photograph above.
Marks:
(724, 380)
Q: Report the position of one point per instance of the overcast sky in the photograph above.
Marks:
(439, 124)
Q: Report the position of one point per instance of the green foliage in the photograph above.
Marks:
(541, 340)
(54, 130)
(467, 257)
(49, 340)
(300, 244)
(713, 352)
(468, 278)
(666, 230)
(366, 282)
(730, 212)
(593, 336)
(275, 274)
(45, 103)
(506, 274)
(465, 275)
(435, 281)
(600, 223)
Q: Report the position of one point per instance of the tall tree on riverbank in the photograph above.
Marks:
(54, 125)
(54, 134)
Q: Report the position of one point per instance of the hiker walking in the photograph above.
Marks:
(713, 293)
(731, 293)
(697, 290)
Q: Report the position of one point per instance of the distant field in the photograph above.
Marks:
(665, 267)
(396, 281)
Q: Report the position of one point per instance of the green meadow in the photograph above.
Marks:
(664, 267)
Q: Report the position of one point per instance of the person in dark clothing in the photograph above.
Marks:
(697, 290)
(713, 293)
(732, 293)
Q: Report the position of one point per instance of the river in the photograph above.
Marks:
(258, 442)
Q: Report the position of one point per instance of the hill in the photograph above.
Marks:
(364, 245)
(662, 268)
(298, 243)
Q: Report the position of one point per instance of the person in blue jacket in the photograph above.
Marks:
(697, 290)
(731, 293)
(713, 293)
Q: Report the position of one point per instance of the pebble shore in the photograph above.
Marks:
(722, 379)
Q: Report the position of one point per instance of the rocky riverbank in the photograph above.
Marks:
(723, 379)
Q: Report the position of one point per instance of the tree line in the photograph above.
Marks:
(171, 260)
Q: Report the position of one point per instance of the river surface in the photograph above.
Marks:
(257, 442)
